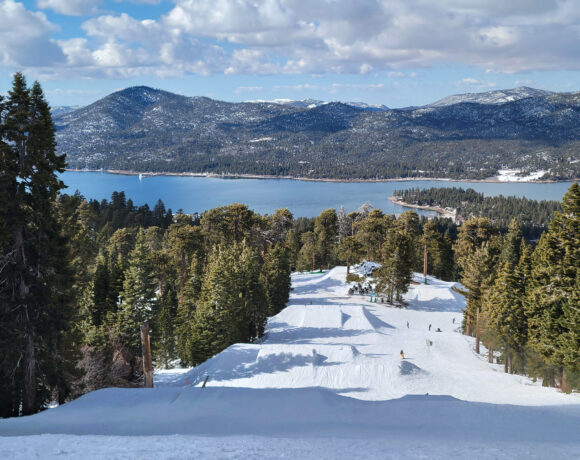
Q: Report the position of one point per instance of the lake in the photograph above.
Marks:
(303, 198)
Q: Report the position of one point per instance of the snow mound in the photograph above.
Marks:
(434, 296)
(408, 368)
(295, 412)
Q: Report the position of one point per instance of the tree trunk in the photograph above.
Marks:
(477, 331)
(505, 362)
(146, 350)
(510, 364)
(29, 383)
(490, 355)
(28, 356)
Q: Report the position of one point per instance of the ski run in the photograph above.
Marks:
(327, 381)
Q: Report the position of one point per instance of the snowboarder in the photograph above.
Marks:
(438, 330)
(429, 327)
(407, 324)
(402, 354)
(453, 320)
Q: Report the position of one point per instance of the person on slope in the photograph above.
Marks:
(402, 354)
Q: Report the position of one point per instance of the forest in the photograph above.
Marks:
(532, 215)
(78, 277)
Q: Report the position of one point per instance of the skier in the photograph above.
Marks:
(429, 327)
(402, 354)
(407, 324)
(453, 320)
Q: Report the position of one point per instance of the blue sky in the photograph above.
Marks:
(392, 52)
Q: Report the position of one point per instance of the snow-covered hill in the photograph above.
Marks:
(327, 381)
(492, 97)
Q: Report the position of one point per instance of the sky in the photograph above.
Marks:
(393, 52)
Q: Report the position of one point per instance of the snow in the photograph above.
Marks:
(491, 97)
(513, 175)
(261, 139)
(365, 268)
(326, 381)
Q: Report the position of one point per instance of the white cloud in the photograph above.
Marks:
(70, 7)
(308, 37)
(24, 36)
(475, 83)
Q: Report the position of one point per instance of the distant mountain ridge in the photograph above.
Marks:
(492, 97)
(470, 136)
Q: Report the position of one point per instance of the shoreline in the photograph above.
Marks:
(310, 179)
(443, 212)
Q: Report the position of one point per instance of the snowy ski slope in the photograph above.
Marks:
(327, 381)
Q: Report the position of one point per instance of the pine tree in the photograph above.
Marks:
(138, 297)
(308, 255)
(280, 222)
(350, 251)
(293, 247)
(478, 273)
(35, 308)
(186, 311)
(552, 300)
(326, 231)
(396, 272)
(276, 278)
(163, 325)
(371, 232)
(233, 302)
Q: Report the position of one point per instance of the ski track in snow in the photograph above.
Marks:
(327, 381)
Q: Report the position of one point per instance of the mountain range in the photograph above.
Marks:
(468, 136)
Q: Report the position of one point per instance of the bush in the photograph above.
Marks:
(353, 278)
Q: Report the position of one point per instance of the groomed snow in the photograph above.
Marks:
(327, 381)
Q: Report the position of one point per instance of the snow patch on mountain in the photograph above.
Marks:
(516, 175)
(491, 97)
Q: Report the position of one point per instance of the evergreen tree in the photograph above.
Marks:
(350, 251)
(233, 302)
(163, 341)
(276, 278)
(396, 273)
(138, 297)
(308, 255)
(552, 301)
(35, 309)
(371, 232)
(326, 231)
(293, 246)
(280, 222)
(186, 311)
(408, 223)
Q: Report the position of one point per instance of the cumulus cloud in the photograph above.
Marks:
(25, 37)
(70, 7)
(306, 37)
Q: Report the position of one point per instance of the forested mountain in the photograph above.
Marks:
(469, 136)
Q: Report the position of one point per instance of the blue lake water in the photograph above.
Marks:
(303, 198)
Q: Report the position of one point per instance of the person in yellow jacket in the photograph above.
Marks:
(402, 354)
